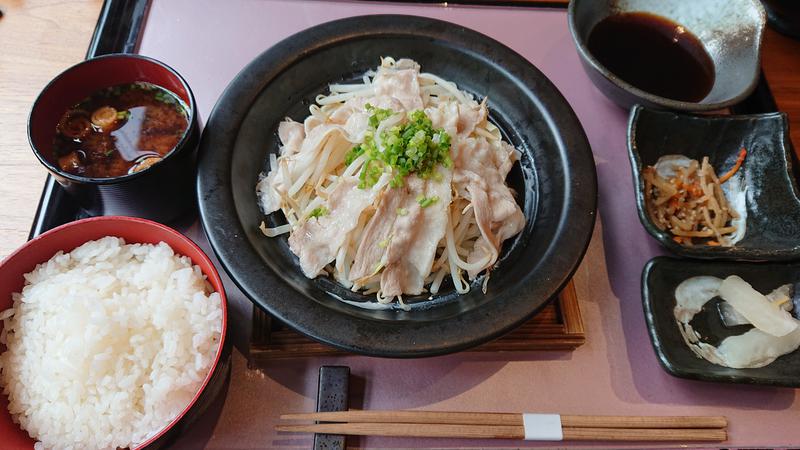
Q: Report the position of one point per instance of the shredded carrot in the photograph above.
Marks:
(713, 243)
(678, 239)
(735, 168)
(695, 190)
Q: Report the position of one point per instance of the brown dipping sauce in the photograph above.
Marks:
(119, 130)
(654, 54)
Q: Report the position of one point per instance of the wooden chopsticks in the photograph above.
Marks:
(509, 426)
(512, 419)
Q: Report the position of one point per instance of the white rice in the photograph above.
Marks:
(107, 344)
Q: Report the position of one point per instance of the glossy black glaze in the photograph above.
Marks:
(773, 202)
(660, 278)
(118, 27)
(556, 182)
(784, 16)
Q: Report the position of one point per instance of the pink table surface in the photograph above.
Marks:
(615, 372)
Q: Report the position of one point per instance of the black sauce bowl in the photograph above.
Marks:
(729, 30)
(161, 192)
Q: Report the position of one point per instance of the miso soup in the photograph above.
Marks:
(119, 130)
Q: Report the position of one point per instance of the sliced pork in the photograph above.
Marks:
(389, 201)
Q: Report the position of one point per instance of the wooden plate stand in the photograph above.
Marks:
(558, 326)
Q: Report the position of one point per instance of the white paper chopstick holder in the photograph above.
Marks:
(542, 427)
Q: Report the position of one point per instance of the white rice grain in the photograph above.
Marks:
(107, 344)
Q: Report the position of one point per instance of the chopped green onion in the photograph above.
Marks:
(378, 115)
(401, 211)
(412, 148)
(318, 212)
(354, 153)
(164, 97)
(426, 201)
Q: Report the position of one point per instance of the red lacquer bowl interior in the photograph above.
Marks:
(70, 236)
(84, 79)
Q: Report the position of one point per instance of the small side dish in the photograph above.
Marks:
(107, 344)
(685, 197)
(774, 333)
(746, 184)
(119, 130)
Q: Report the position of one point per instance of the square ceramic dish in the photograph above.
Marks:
(660, 278)
(773, 206)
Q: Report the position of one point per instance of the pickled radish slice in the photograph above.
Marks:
(756, 308)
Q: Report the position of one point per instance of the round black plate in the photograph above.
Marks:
(555, 179)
